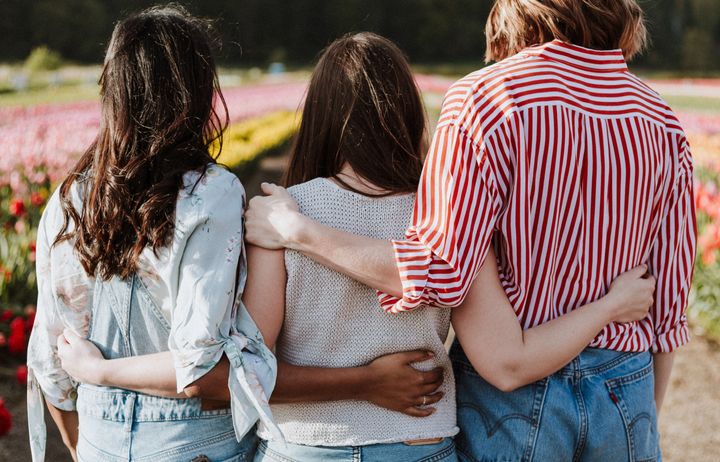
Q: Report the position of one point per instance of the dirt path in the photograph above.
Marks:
(690, 419)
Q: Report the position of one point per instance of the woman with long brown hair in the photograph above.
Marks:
(355, 165)
(141, 251)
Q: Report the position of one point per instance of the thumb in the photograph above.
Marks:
(70, 336)
(270, 188)
(639, 271)
(417, 356)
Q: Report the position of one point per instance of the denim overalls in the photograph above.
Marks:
(119, 425)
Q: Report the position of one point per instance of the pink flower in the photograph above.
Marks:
(20, 226)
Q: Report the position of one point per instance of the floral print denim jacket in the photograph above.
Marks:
(197, 281)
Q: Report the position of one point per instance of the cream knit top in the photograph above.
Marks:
(334, 321)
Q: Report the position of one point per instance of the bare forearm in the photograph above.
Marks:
(152, 374)
(67, 423)
(509, 358)
(549, 347)
(663, 364)
(367, 260)
(297, 384)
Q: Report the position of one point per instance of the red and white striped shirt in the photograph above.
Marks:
(575, 171)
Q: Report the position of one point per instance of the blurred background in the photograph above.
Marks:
(50, 57)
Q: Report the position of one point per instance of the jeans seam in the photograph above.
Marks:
(263, 447)
(538, 407)
(97, 449)
(597, 370)
(191, 446)
(632, 378)
(440, 455)
(582, 440)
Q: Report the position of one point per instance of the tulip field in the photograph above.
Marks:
(39, 144)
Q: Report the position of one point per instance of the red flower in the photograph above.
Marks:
(32, 247)
(17, 342)
(21, 374)
(17, 207)
(5, 419)
(6, 315)
(17, 325)
(37, 199)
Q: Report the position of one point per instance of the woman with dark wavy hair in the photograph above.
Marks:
(141, 251)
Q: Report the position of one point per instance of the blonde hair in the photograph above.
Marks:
(598, 24)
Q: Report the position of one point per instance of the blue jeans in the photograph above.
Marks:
(600, 407)
(120, 426)
(270, 451)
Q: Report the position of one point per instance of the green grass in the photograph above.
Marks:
(62, 94)
(693, 103)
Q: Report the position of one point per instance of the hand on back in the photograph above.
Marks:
(269, 219)
(394, 384)
(632, 294)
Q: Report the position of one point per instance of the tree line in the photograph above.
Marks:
(685, 33)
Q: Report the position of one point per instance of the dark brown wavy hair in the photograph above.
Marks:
(158, 88)
(362, 107)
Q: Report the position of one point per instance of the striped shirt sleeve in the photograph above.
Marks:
(453, 220)
(672, 258)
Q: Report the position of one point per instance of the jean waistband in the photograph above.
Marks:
(594, 361)
(124, 406)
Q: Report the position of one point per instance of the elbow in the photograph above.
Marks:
(505, 382)
(194, 391)
(507, 376)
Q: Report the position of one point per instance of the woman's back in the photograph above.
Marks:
(334, 321)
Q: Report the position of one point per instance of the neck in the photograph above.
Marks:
(348, 176)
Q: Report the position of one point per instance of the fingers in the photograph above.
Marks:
(270, 189)
(419, 412)
(427, 400)
(434, 376)
(416, 356)
(430, 388)
(638, 272)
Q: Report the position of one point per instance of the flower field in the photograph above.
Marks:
(39, 144)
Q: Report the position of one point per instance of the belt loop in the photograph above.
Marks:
(129, 412)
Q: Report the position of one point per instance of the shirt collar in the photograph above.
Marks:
(581, 57)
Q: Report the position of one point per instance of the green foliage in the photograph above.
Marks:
(685, 34)
(43, 58)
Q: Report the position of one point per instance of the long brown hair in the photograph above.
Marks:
(362, 107)
(157, 88)
(597, 24)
